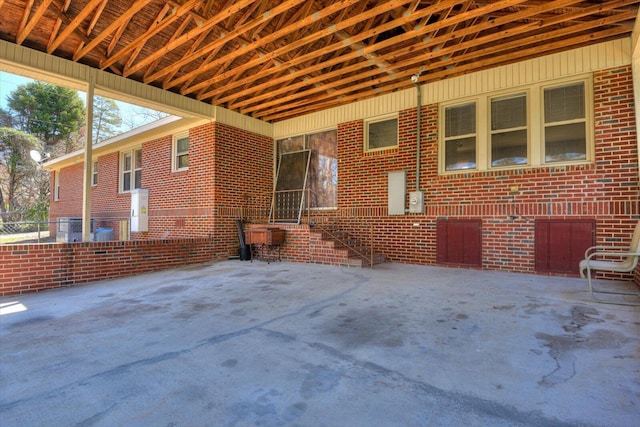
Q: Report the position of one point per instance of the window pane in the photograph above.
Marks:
(138, 159)
(565, 142)
(138, 179)
(127, 162)
(383, 134)
(126, 181)
(322, 177)
(183, 145)
(509, 148)
(460, 154)
(289, 145)
(183, 161)
(460, 120)
(564, 103)
(509, 112)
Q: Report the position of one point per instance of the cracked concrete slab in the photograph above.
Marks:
(242, 344)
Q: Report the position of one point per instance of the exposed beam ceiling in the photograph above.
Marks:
(278, 59)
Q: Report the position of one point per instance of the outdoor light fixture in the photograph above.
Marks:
(37, 157)
(415, 77)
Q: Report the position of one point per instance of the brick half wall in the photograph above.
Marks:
(37, 267)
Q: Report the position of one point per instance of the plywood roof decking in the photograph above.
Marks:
(277, 59)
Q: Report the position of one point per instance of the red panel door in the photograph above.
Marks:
(560, 244)
(459, 242)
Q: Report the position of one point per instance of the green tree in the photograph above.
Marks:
(51, 113)
(106, 118)
(5, 119)
(21, 183)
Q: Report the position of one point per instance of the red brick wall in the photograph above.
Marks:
(225, 166)
(606, 190)
(33, 268)
(229, 167)
(243, 165)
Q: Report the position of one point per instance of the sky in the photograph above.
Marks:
(133, 116)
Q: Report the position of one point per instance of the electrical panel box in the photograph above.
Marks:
(139, 210)
(416, 202)
(397, 191)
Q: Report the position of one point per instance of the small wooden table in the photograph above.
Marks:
(265, 243)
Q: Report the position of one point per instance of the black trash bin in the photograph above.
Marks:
(245, 253)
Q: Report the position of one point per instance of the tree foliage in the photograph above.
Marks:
(20, 180)
(106, 118)
(51, 113)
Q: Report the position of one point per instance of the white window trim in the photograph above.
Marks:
(56, 186)
(133, 169)
(174, 152)
(442, 140)
(535, 106)
(589, 119)
(378, 119)
(527, 127)
(94, 174)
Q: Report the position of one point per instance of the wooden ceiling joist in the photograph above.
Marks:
(26, 29)
(451, 51)
(205, 26)
(277, 59)
(391, 42)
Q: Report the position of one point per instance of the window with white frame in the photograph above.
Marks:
(130, 170)
(460, 137)
(542, 125)
(509, 134)
(565, 123)
(180, 152)
(381, 134)
(94, 174)
(56, 185)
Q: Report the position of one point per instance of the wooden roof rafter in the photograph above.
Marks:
(263, 41)
(330, 30)
(118, 25)
(426, 57)
(28, 24)
(274, 59)
(471, 57)
(205, 26)
(73, 25)
(397, 22)
(494, 56)
(155, 28)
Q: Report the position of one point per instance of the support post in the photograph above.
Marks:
(88, 163)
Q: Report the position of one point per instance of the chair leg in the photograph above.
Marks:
(593, 291)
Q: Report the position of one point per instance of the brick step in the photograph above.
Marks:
(342, 249)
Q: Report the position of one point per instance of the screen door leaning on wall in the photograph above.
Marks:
(291, 183)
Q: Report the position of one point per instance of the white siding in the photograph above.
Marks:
(38, 65)
(243, 122)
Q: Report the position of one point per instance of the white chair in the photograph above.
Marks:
(627, 262)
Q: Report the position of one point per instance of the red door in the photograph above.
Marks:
(560, 244)
(459, 242)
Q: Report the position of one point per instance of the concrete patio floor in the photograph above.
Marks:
(240, 344)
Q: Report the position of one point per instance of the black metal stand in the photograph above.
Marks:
(267, 253)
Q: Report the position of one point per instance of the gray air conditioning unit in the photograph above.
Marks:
(69, 229)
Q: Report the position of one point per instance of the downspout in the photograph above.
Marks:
(414, 79)
(635, 72)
